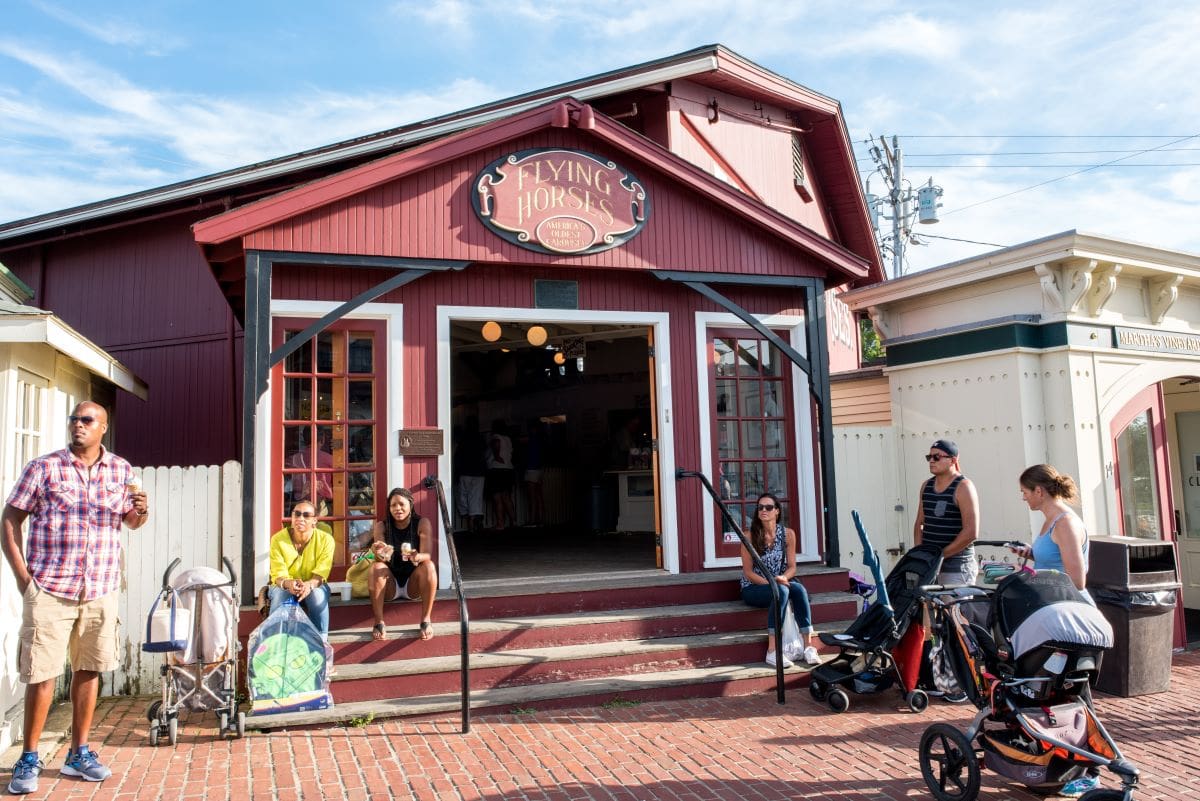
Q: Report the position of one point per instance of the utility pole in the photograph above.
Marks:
(889, 163)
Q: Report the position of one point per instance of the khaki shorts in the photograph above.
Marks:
(54, 628)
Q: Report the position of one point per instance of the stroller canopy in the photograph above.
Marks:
(1032, 609)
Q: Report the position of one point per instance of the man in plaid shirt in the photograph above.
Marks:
(76, 500)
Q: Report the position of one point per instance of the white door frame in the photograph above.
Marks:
(659, 321)
(805, 523)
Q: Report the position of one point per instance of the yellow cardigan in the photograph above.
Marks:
(316, 558)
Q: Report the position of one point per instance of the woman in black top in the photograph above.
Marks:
(408, 571)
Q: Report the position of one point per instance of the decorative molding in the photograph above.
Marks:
(1163, 292)
(1104, 284)
(880, 321)
(1078, 279)
(1050, 289)
(1065, 287)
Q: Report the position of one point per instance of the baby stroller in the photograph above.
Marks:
(193, 624)
(1025, 654)
(884, 644)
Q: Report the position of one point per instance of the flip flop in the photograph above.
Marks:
(426, 630)
(379, 631)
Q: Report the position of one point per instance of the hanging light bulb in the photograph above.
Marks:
(536, 336)
(491, 330)
(559, 358)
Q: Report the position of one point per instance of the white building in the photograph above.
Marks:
(1075, 350)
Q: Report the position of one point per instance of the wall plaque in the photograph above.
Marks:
(422, 441)
(1156, 340)
(560, 201)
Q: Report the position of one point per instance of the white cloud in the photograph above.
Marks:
(117, 32)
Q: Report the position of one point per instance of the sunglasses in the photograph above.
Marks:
(767, 507)
(86, 419)
(304, 514)
(936, 457)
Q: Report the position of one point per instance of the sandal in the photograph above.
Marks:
(426, 630)
(379, 632)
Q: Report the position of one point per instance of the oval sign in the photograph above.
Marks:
(558, 201)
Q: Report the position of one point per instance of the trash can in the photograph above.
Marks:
(1134, 583)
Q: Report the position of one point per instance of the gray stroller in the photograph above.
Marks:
(194, 624)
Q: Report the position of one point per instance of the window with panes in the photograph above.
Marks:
(751, 399)
(331, 420)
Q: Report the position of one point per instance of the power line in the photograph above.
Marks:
(1072, 174)
(1038, 136)
(1049, 166)
(956, 239)
(1004, 153)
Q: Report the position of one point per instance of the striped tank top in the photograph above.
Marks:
(943, 522)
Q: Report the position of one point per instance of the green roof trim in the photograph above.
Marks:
(982, 340)
(10, 277)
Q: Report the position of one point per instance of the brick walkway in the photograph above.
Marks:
(726, 748)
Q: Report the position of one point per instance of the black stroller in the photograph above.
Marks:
(1025, 654)
(883, 645)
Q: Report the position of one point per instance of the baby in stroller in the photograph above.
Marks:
(1025, 654)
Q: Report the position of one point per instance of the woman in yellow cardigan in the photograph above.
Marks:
(300, 563)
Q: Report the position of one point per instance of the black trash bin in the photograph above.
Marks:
(1134, 583)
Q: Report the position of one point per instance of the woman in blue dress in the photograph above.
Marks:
(776, 546)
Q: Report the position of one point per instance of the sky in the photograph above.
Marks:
(1033, 117)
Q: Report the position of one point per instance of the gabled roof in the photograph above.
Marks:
(233, 225)
(710, 65)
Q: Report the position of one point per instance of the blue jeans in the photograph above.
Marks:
(759, 595)
(316, 605)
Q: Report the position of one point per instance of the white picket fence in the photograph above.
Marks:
(195, 516)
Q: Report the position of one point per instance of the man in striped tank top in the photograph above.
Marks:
(949, 515)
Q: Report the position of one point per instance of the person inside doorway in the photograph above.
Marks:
(535, 445)
(500, 476)
(320, 491)
(776, 547)
(403, 568)
(470, 471)
(948, 515)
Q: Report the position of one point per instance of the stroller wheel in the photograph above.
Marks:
(153, 737)
(153, 710)
(838, 700)
(223, 723)
(918, 701)
(818, 690)
(241, 725)
(173, 731)
(948, 764)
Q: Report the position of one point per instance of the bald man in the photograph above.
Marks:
(76, 500)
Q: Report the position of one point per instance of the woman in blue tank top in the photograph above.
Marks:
(1062, 544)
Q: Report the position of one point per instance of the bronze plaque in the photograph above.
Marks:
(422, 441)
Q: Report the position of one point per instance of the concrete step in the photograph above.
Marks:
(357, 645)
(696, 682)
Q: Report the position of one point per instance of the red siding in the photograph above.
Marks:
(146, 295)
(429, 215)
(512, 287)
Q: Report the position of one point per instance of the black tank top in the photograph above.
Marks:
(393, 536)
(943, 521)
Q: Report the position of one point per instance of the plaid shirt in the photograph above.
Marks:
(74, 546)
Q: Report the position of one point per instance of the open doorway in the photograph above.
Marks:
(552, 452)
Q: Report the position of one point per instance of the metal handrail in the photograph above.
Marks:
(758, 563)
(464, 620)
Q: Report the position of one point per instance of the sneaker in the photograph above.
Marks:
(1078, 787)
(85, 764)
(787, 663)
(25, 774)
(811, 657)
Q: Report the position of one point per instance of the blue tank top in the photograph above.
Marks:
(1046, 553)
(772, 557)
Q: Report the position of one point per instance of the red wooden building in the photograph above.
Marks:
(634, 270)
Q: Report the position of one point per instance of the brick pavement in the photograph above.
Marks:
(695, 750)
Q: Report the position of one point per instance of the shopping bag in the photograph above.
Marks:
(287, 663)
(793, 645)
(358, 574)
